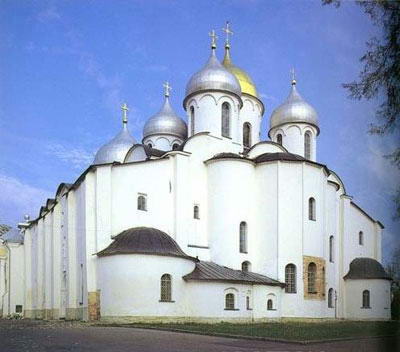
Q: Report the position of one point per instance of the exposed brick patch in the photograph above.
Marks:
(320, 277)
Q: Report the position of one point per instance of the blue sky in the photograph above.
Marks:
(66, 66)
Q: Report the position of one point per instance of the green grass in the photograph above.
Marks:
(301, 331)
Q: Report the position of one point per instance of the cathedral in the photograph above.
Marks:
(202, 221)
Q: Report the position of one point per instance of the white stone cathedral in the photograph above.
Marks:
(202, 222)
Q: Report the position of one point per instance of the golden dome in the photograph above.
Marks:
(246, 83)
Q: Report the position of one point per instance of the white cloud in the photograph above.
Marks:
(49, 14)
(19, 198)
(78, 157)
(267, 97)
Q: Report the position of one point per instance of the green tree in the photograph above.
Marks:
(380, 75)
(4, 228)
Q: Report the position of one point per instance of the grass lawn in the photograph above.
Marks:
(301, 331)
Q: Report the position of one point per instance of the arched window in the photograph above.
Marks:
(330, 298)
(307, 145)
(247, 135)
(279, 138)
(290, 278)
(229, 301)
(331, 248)
(225, 120)
(361, 238)
(196, 212)
(141, 202)
(311, 278)
(166, 288)
(192, 120)
(243, 237)
(270, 304)
(150, 145)
(246, 266)
(365, 299)
(248, 303)
(175, 146)
(311, 209)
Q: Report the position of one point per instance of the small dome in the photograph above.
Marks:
(116, 149)
(166, 121)
(246, 83)
(366, 268)
(12, 236)
(294, 109)
(213, 76)
(144, 240)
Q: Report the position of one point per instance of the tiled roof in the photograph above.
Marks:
(144, 240)
(209, 271)
(366, 268)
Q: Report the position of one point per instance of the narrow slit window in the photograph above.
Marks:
(196, 212)
(166, 288)
(311, 209)
(279, 139)
(243, 237)
(290, 278)
(192, 120)
(247, 135)
(225, 120)
(307, 145)
(311, 278)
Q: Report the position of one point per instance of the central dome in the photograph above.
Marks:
(213, 76)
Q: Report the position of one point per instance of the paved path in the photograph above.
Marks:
(35, 336)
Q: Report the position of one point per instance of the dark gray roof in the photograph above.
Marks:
(366, 268)
(144, 240)
(153, 151)
(209, 271)
(278, 156)
(227, 156)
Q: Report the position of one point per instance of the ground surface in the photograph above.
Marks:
(25, 335)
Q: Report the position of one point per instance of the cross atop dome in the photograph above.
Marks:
(228, 33)
(167, 89)
(293, 75)
(213, 39)
(125, 110)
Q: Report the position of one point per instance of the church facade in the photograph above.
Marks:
(202, 221)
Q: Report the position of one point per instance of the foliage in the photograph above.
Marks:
(299, 331)
(380, 76)
(4, 228)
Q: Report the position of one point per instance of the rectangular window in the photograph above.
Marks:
(18, 309)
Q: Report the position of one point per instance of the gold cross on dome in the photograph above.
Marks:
(167, 89)
(213, 39)
(228, 32)
(125, 110)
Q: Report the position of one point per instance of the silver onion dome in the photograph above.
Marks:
(295, 109)
(213, 76)
(166, 121)
(116, 149)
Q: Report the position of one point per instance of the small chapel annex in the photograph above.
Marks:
(202, 221)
